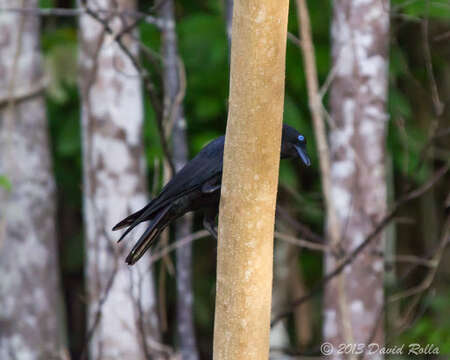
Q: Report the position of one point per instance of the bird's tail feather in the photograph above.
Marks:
(157, 225)
(132, 221)
(131, 227)
(129, 220)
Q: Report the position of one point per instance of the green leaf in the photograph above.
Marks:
(439, 9)
(287, 175)
(46, 4)
(207, 107)
(5, 183)
(399, 104)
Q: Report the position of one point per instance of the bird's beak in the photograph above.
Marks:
(303, 155)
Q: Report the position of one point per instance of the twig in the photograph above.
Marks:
(315, 105)
(294, 39)
(109, 283)
(377, 230)
(174, 85)
(177, 244)
(326, 85)
(409, 317)
(300, 242)
(412, 259)
(21, 94)
(153, 96)
(443, 36)
(436, 259)
(434, 262)
(174, 107)
(65, 12)
(304, 230)
(438, 104)
(98, 313)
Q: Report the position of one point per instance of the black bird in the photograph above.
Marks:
(196, 187)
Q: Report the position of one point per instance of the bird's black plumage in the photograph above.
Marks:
(195, 187)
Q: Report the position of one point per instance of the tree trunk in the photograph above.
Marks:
(279, 335)
(360, 35)
(250, 179)
(114, 186)
(30, 316)
(173, 113)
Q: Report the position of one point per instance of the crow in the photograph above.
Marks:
(196, 187)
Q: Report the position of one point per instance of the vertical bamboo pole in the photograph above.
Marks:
(250, 179)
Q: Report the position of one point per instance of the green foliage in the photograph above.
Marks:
(46, 3)
(72, 254)
(434, 326)
(204, 50)
(63, 110)
(64, 120)
(439, 9)
(406, 138)
(288, 176)
(60, 47)
(311, 265)
(5, 183)
(203, 47)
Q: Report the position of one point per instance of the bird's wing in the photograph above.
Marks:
(157, 225)
(206, 165)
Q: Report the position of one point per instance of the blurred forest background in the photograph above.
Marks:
(417, 145)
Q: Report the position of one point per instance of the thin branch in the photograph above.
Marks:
(326, 85)
(294, 39)
(98, 313)
(21, 94)
(373, 235)
(303, 229)
(300, 242)
(177, 244)
(438, 104)
(334, 230)
(436, 259)
(65, 12)
(174, 108)
(315, 107)
(412, 259)
(109, 283)
(148, 84)
(443, 36)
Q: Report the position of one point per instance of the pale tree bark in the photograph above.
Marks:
(250, 179)
(121, 300)
(30, 312)
(174, 88)
(288, 284)
(333, 226)
(303, 315)
(279, 336)
(360, 36)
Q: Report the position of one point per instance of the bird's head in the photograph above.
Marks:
(293, 144)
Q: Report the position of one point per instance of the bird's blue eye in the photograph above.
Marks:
(301, 138)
